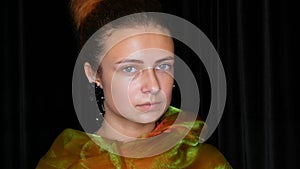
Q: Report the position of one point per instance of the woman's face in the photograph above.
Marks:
(137, 78)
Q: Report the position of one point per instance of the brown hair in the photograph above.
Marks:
(90, 15)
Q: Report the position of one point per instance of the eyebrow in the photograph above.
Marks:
(165, 59)
(141, 62)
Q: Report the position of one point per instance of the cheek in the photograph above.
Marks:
(166, 84)
(134, 91)
(119, 91)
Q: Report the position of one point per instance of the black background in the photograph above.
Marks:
(256, 41)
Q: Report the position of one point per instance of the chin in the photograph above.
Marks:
(145, 119)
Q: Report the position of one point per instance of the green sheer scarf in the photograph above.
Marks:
(75, 149)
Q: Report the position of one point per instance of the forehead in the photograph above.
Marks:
(140, 41)
(121, 35)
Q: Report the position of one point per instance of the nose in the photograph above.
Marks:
(149, 80)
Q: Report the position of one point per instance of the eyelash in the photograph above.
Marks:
(133, 69)
(168, 67)
(129, 67)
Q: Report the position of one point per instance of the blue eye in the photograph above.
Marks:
(163, 67)
(129, 69)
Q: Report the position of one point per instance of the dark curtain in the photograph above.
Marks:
(256, 41)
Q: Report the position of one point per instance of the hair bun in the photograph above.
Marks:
(80, 9)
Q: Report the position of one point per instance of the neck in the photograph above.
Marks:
(116, 127)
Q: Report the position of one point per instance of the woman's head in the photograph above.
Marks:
(135, 61)
(137, 77)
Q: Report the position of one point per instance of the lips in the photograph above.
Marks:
(148, 106)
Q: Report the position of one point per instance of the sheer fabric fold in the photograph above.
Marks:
(75, 149)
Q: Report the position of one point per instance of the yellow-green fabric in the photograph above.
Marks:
(75, 149)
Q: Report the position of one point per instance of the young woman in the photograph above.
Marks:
(132, 69)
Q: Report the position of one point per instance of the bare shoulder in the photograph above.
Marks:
(209, 157)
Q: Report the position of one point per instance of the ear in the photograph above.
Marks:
(91, 74)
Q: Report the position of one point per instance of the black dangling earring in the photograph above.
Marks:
(100, 99)
(176, 98)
